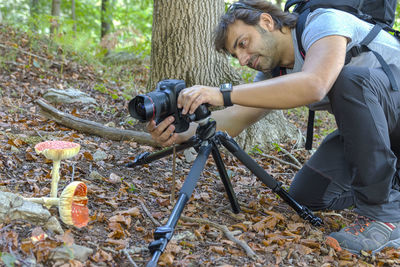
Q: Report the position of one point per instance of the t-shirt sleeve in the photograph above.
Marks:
(326, 22)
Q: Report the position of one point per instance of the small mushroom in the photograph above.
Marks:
(72, 204)
(57, 151)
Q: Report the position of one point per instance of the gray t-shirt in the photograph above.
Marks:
(326, 22)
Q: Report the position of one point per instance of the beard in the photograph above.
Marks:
(266, 58)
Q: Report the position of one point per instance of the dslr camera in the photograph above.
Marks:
(161, 103)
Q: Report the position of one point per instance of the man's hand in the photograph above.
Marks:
(192, 97)
(163, 133)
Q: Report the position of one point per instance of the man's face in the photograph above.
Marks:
(254, 46)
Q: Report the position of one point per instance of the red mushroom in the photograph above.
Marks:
(57, 151)
(72, 204)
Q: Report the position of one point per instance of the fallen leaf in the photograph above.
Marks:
(217, 249)
(167, 258)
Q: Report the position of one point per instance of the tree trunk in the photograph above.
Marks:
(34, 10)
(182, 48)
(182, 43)
(55, 12)
(105, 18)
(73, 15)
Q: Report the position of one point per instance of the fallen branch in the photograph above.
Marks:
(282, 161)
(94, 128)
(291, 156)
(129, 258)
(149, 214)
(226, 231)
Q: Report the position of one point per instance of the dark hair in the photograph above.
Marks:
(249, 12)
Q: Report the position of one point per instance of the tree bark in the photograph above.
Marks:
(182, 44)
(34, 10)
(55, 13)
(73, 15)
(105, 18)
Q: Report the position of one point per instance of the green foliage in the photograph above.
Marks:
(256, 150)
(246, 73)
(132, 188)
(130, 31)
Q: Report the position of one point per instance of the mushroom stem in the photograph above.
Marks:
(47, 201)
(55, 177)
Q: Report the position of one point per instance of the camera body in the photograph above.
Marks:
(161, 103)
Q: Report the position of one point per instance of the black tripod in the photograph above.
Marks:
(206, 141)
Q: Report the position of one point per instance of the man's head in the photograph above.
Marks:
(248, 31)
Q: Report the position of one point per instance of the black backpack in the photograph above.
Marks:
(378, 12)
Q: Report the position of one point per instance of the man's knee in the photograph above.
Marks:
(317, 192)
(308, 189)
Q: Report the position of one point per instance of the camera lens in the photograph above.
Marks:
(142, 108)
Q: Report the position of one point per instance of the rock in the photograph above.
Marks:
(135, 250)
(96, 176)
(53, 225)
(31, 212)
(186, 235)
(99, 155)
(76, 252)
(190, 154)
(68, 96)
(14, 207)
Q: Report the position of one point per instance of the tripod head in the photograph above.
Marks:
(206, 129)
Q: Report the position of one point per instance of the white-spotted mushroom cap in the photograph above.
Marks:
(57, 150)
(73, 208)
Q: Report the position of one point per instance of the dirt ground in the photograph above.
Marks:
(127, 204)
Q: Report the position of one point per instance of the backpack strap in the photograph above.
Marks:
(301, 21)
(363, 47)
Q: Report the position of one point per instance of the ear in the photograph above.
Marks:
(267, 22)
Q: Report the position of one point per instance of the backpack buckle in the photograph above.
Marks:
(355, 50)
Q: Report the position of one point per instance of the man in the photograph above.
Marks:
(354, 166)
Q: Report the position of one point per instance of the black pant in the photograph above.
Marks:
(356, 164)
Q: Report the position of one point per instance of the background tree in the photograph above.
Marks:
(73, 15)
(34, 10)
(182, 43)
(55, 13)
(182, 48)
(106, 17)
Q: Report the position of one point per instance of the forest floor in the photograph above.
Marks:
(127, 204)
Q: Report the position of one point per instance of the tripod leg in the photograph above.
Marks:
(267, 179)
(225, 179)
(147, 157)
(163, 234)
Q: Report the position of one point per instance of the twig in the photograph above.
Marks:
(291, 156)
(331, 214)
(73, 172)
(129, 257)
(148, 213)
(226, 231)
(112, 251)
(282, 161)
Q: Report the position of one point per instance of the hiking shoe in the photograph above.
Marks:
(366, 234)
